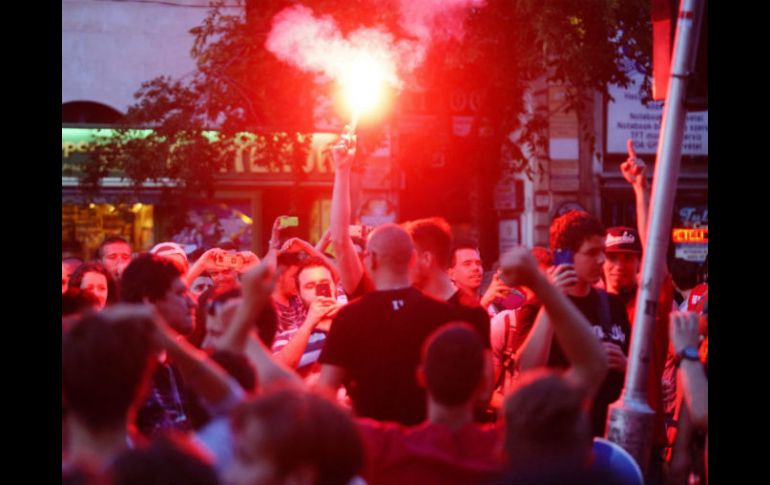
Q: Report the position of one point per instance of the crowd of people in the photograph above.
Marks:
(377, 361)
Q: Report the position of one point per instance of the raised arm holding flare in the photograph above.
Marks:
(350, 266)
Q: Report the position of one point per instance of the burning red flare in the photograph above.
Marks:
(366, 60)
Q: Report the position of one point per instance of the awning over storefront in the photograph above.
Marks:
(244, 167)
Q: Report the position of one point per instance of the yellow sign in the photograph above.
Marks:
(686, 235)
(247, 158)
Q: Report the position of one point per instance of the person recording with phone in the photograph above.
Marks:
(284, 258)
(466, 272)
(223, 264)
(578, 244)
(510, 328)
(299, 347)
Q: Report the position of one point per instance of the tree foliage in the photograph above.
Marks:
(584, 45)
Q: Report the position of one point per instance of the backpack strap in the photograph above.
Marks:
(507, 360)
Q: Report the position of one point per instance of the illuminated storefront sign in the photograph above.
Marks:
(245, 159)
(691, 243)
(689, 235)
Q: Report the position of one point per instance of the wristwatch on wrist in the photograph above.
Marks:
(687, 353)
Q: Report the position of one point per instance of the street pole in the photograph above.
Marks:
(630, 418)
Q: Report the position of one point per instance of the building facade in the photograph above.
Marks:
(108, 50)
(417, 166)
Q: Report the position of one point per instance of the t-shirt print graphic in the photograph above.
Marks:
(616, 334)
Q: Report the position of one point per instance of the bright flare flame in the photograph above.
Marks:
(363, 85)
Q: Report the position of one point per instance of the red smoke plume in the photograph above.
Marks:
(315, 44)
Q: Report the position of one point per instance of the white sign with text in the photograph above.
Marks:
(627, 118)
(509, 234)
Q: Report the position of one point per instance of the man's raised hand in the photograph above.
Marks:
(633, 169)
(519, 268)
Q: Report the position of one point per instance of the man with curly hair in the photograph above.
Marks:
(584, 236)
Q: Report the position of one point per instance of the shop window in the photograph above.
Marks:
(84, 227)
(210, 224)
(320, 216)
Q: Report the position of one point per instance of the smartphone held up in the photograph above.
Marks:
(288, 221)
(229, 260)
(563, 256)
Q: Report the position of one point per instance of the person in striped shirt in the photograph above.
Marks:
(299, 347)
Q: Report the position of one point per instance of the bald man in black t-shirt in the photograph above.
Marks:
(375, 341)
